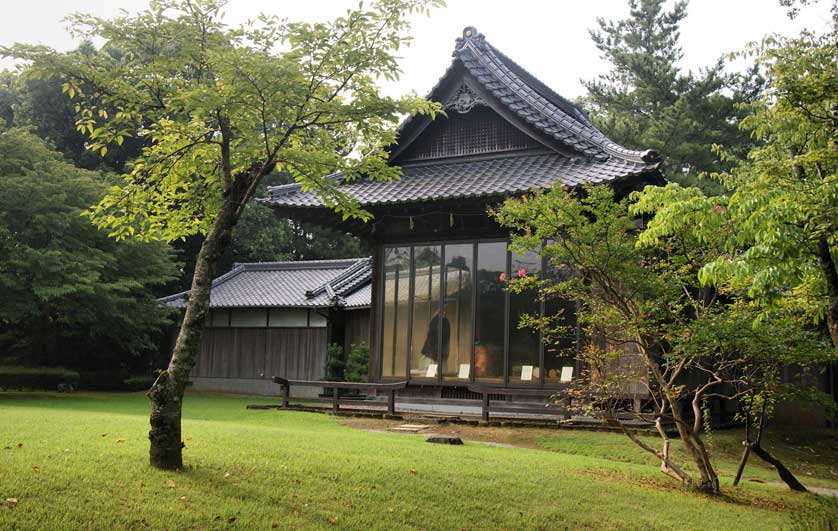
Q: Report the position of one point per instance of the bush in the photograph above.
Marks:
(335, 364)
(139, 383)
(358, 363)
(112, 380)
(46, 378)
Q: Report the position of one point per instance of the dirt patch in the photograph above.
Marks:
(494, 435)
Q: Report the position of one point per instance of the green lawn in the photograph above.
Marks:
(283, 469)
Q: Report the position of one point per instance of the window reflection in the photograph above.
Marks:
(490, 312)
(459, 265)
(524, 365)
(447, 328)
(431, 331)
(560, 352)
(394, 332)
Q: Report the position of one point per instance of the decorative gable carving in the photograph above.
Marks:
(463, 100)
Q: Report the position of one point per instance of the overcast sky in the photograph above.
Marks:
(549, 38)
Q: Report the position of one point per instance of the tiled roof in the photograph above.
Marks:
(311, 284)
(509, 174)
(588, 155)
(532, 101)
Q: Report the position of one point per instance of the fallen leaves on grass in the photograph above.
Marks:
(332, 520)
(120, 440)
(226, 474)
(11, 502)
(170, 483)
(296, 514)
(274, 526)
(36, 469)
(413, 471)
(20, 445)
(231, 519)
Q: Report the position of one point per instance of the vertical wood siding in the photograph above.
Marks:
(262, 353)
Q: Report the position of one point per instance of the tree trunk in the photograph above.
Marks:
(741, 468)
(709, 480)
(785, 473)
(831, 274)
(167, 392)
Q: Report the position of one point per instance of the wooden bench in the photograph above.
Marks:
(390, 388)
(487, 407)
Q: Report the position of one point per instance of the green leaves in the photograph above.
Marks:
(216, 108)
(67, 288)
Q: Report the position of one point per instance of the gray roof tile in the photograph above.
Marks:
(597, 159)
(289, 285)
(453, 178)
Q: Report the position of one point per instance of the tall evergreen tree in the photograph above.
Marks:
(646, 102)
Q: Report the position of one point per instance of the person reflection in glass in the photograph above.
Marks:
(431, 349)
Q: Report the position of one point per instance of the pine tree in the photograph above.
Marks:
(646, 102)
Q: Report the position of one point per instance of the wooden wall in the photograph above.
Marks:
(262, 353)
(357, 328)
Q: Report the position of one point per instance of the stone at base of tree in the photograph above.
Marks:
(444, 440)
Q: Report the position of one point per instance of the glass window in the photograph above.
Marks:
(396, 290)
(524, 343)
(560, 351)
(490, 313)
(459, 265)
(430, 343)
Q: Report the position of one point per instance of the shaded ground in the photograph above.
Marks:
(812, 454)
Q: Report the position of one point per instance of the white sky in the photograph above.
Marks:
(549, 38)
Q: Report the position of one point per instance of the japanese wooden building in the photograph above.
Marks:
(277, 318)
(441, 316)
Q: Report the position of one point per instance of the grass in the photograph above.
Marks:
(284, 469)
(811, 454)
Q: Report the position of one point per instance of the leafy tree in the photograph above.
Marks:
(645, 102)
(779, 207)
(70, 295)
(220, 109)
(651, 329)
(632, 303)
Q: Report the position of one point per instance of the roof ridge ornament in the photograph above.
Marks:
(470, 34)
(464, 100)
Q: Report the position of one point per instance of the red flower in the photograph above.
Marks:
(685, 335)
(502, 277)
(718, 208)
(522, 272)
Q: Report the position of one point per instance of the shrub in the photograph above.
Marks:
(335, 364)
(46, 378)
(358, 363)
(139, 383)
(112, 380)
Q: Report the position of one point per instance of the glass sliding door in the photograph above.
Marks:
(448, 317)
(524, 343)
(396, 307)
(430, 343)
(560, 352)
(490, 313)
(457, 308)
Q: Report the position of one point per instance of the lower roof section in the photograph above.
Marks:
(304, 284)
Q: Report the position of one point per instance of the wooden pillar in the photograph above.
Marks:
(335, 405)
(485, 412)
(286, 394)
(391, 402)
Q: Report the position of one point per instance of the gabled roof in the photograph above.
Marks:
(309, 284)
(573, 152)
